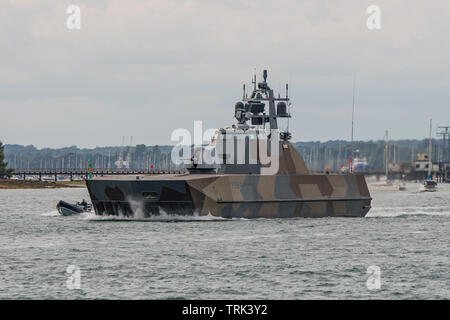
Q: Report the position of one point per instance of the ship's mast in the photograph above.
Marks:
(253, 108)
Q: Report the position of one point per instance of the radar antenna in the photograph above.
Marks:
(263, 107)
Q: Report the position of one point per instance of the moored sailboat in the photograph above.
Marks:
(429, 185)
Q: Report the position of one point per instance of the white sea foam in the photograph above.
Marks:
(408, 211)
(52, 213)
(137, 207)
(242, 238)
(138, 215)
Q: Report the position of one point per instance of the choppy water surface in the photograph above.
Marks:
(406, 235)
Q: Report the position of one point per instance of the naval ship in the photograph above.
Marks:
(256, 173)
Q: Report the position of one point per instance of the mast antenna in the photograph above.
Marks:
(254, 80)
(287, 98)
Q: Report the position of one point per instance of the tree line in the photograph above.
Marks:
(329, 155)
(4, 170)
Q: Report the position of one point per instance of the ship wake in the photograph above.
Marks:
(409, 211)
(139, 214)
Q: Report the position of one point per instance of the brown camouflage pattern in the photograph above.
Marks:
(292, 192)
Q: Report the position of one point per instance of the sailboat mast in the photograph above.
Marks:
(353, 115)
(430, 163)
(386, 154)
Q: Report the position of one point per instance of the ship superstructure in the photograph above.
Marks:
(248, 170)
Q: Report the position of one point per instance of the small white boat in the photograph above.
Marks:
(402, 186)
(428, 186)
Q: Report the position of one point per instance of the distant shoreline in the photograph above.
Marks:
(25, 184)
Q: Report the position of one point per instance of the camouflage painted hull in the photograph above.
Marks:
(232, 196)
(255, 173)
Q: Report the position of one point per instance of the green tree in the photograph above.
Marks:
(4, 172)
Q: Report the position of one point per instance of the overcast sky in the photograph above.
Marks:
(144, 68)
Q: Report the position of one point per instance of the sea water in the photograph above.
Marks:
(401, 250)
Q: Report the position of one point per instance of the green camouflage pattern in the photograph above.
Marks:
(292, 192)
